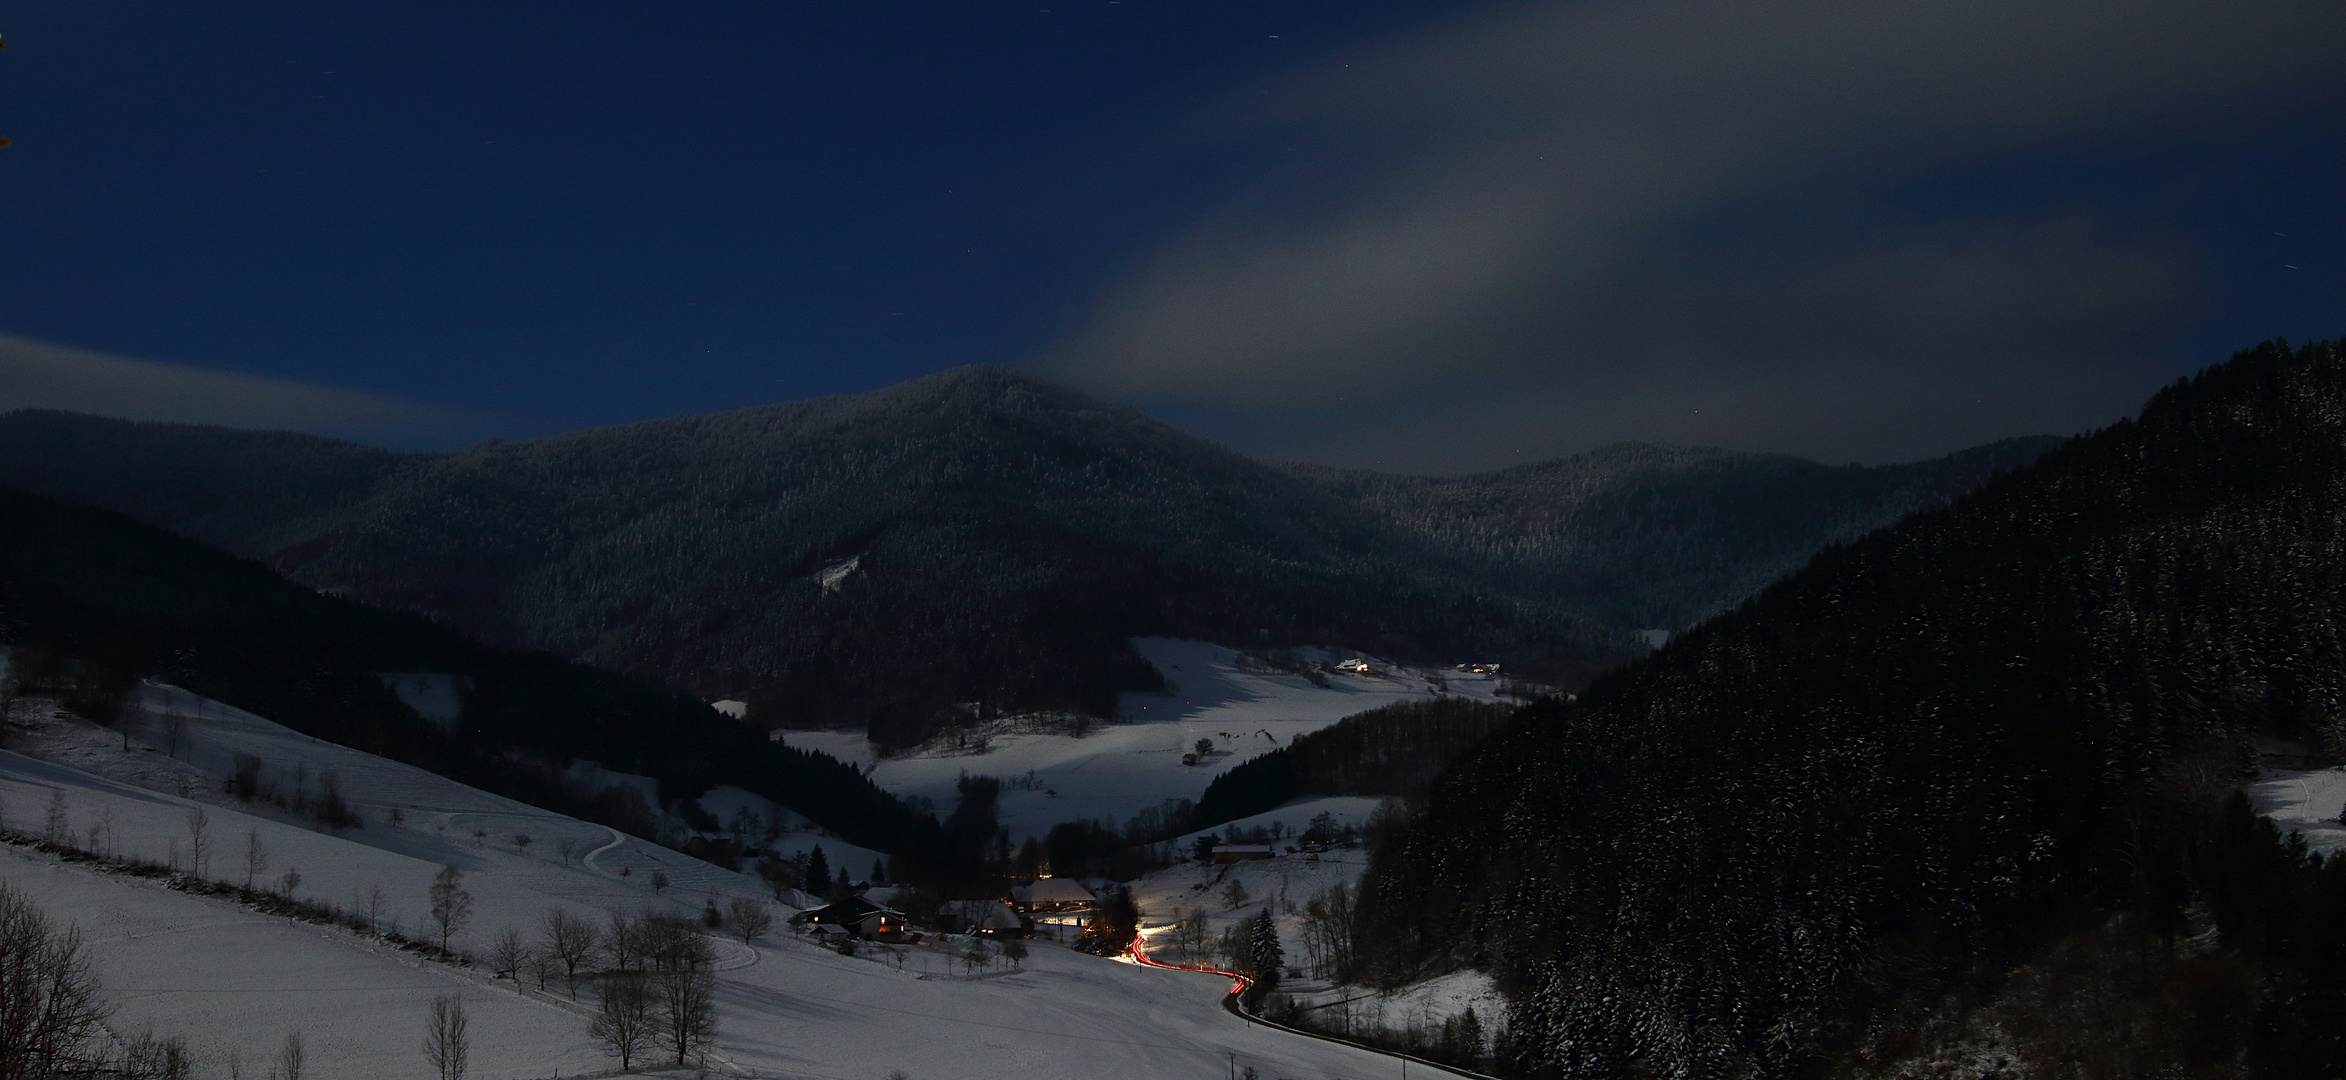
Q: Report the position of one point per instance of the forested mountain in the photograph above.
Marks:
(1394, 750)
(1638, 536)
(1966, 786)
(91, 601)
(964, 544)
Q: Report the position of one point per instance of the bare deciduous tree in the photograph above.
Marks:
(372, 905)
(1327, 932)
(256, 857)
(447, 1042)
(568, 849)
(199, 842)
(57, 829)
(292, 1059)
(506, 954)
(51, 1021)
(623, 1020)
(150, 1058)
(451, 904)
(686, 984)
(289, 882)
(102, 834)
(625, 942)
(174, 732)
(572, 941)
(132, 713)
(541, 964)
(749, 918)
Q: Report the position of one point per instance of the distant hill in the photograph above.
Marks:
(1636, 536)
(972, 543)
(1965, 790)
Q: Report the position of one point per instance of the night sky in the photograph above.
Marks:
(1408, 235)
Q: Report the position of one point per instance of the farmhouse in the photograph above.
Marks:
(1050, 894)
(860, 918)
(984, 918)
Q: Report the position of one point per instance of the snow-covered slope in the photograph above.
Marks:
(2307, 802)
(1114, 771)
(235, 981)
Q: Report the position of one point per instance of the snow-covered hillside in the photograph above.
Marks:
(2307, 802)
(235, 981)
(1114, 771)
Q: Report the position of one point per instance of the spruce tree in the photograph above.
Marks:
(1263, 948)
(818, 870)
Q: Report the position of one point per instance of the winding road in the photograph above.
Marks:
(1238, 985)
(617, 838)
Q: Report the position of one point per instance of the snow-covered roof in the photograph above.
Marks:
(887, 895)
(852, 909)
(998, 917)
(981, 914)
(1053, 891)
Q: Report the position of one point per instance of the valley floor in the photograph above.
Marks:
(1115, 771)
(235, 981)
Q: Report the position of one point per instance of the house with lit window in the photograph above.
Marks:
(860, 918)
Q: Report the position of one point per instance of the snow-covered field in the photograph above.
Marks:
(1283, 883)
(1286, 885)
(1115, 771)
(234, 981)
(2306, 801)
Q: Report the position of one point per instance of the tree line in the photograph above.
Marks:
(1985, 758)
(1393, 750)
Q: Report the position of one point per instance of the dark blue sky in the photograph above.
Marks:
(1295, 226)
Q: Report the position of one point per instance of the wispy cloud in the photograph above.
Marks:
(38, 375)
(1566, 223)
